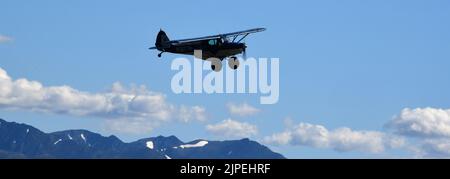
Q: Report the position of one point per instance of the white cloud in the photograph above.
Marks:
(422, 131)
(422, 122)
(341, 139)
(4, 39)
(435, 148)
(427, 128)
(243, 109)
(134, 109)
(232, 129)
(187, 114)
(283, 138)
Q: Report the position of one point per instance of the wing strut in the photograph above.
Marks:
(243, 37)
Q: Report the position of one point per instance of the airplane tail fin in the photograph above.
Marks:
(161, 40)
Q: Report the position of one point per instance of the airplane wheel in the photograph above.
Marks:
(233, 63)
(216, 65)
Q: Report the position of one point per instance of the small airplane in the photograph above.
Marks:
(219, 46)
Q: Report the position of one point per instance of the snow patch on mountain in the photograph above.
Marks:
(59, 140)
(149, 144)
(198, 144)
(82, 137)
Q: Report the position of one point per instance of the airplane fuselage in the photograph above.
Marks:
(210, 48)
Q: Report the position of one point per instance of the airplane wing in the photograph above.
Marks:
(244, 32)
(227, 35)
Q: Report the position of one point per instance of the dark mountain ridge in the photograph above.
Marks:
(25, 141)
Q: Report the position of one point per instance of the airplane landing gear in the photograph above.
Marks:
(159, 54)
(216, 65)
(233, 63)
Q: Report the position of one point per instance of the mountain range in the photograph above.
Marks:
(25, 141)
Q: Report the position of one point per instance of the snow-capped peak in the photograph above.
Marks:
(198, 144)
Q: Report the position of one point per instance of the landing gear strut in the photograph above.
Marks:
(159, 54)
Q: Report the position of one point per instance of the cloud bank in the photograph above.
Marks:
(428, 127)
(134, 109)
(425, 132)
(341, 139)
(422, 122)
(232, 129)
(243, 109)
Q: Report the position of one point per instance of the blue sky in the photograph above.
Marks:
(353, 64)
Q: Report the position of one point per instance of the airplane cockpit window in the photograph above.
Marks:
(212, 42)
